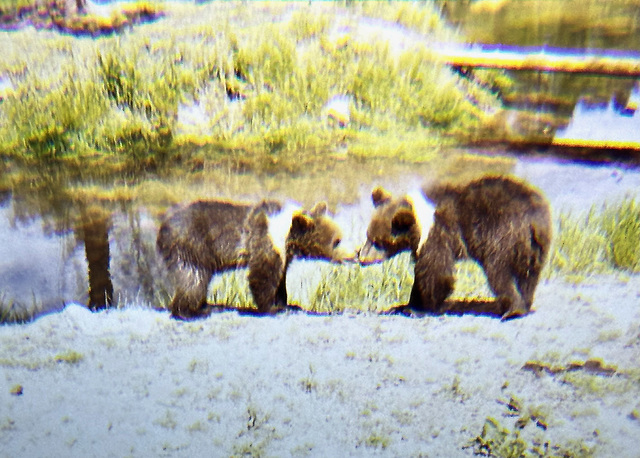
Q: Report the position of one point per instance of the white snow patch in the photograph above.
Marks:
(599, 124)
(337, 107)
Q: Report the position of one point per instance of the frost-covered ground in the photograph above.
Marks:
(133, 382)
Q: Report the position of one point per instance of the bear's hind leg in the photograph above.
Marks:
(504, 287)
(190, 298)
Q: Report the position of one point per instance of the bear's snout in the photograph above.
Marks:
(342, 256)
(370, 254)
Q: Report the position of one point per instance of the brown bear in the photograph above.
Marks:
(211, 236)
(502, 223)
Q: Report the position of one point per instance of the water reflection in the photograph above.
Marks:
(104, 258)
(591, 25)
(617, 122)
(39, 269)
(93, 230)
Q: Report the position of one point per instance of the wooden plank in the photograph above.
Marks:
(550, 62)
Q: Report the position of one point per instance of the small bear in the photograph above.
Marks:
(211, 236)
(501, 222)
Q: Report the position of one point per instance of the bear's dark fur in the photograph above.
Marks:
(502, 223)
(209, 237)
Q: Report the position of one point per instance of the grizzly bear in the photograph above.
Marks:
(502, 223)
(211, 236)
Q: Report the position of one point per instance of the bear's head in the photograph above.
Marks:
(397, 225)
(314, 235)
(297, 233)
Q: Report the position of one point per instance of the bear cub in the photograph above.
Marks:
(502, 223)
(207, 237)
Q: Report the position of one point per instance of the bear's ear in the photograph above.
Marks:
(380, 196)
(402, 221)
(318, 210)
(301, 223)
(261, 221)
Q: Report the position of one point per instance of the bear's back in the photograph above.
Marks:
(497, 205)
(500, 196)
(506, 209)
(205, 233)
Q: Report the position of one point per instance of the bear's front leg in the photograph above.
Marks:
(434, 280)
(267, 280)
(430, 289)
(264, 285)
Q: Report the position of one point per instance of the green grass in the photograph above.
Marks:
(601, 241)
(261, 80)
(70, 357)
(363, 288)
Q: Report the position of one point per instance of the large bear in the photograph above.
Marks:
(502, 223)
(210, 236)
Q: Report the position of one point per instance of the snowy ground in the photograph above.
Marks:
(133, 382)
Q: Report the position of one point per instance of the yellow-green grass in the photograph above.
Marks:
(600, 241)
(260, 77)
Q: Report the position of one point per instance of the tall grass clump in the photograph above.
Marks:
(144, 85)
(52, 114)
(579, 246)
(621, 224)
(305, 26)
(259, 77)
(600, 241)
(231, 289)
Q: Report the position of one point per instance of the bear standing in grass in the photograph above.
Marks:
(208, 237)
(502, 223)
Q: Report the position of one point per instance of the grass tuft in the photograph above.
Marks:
(70, 357)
